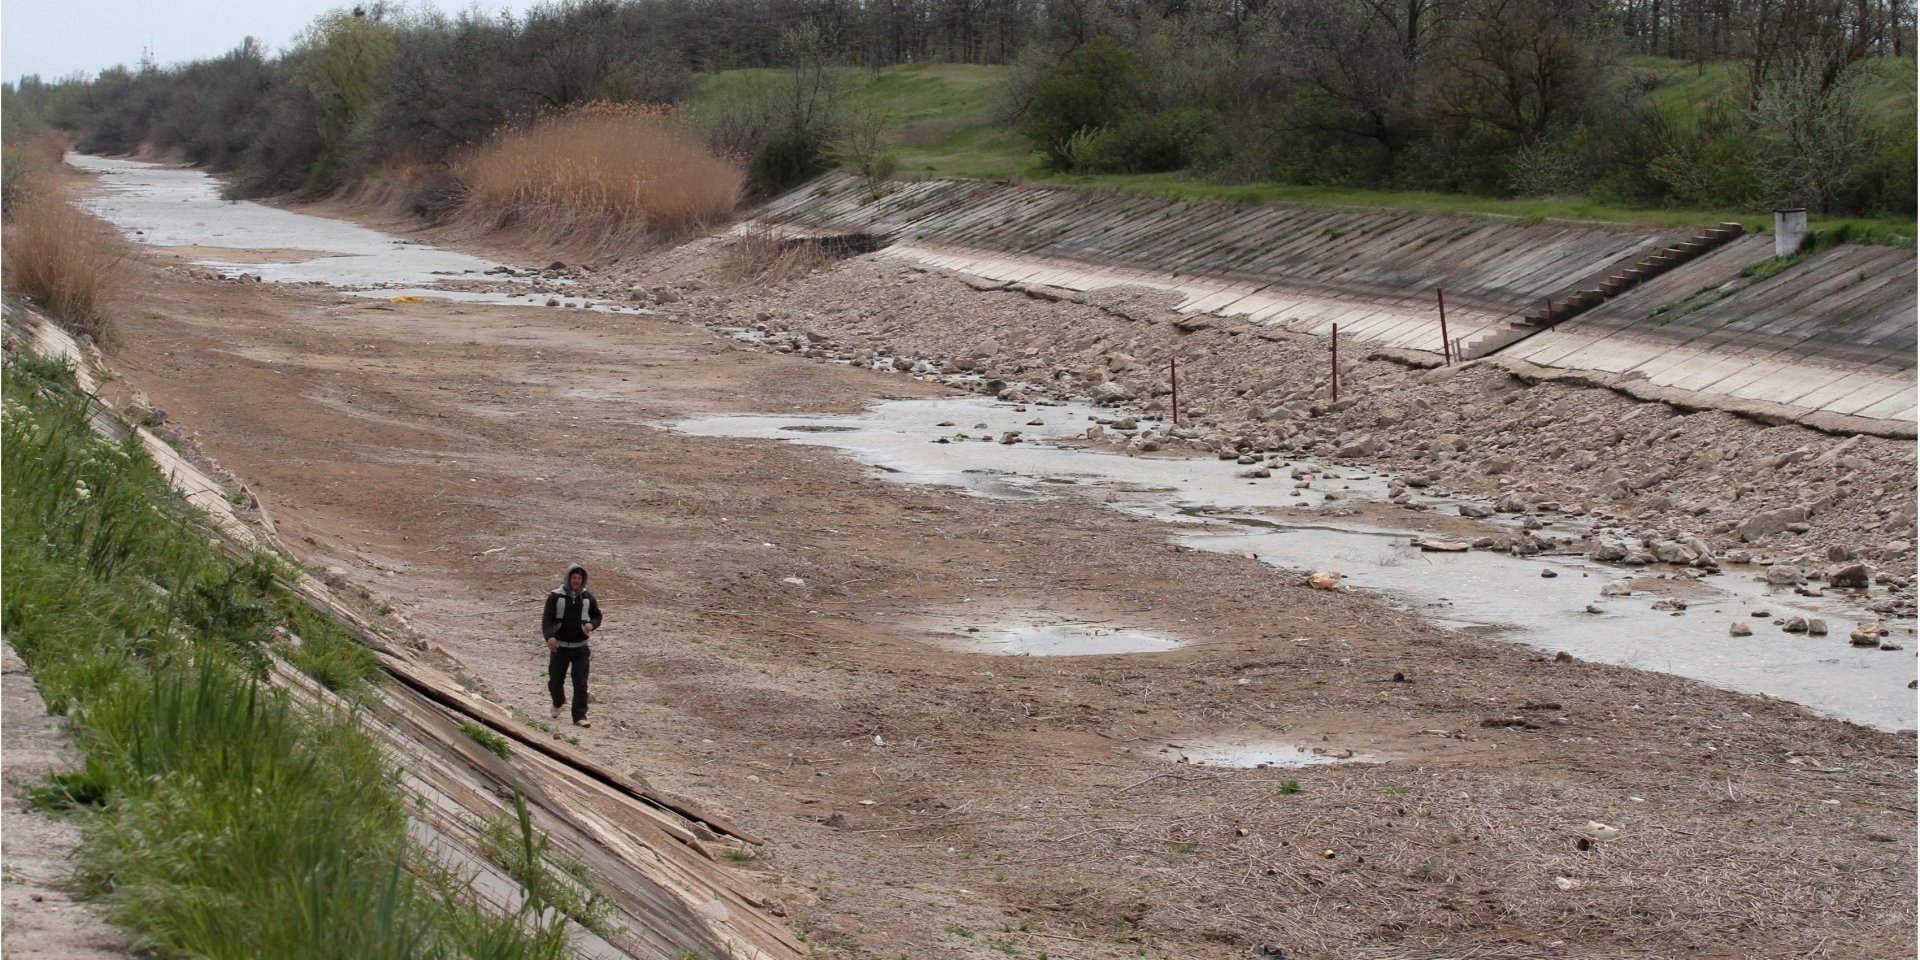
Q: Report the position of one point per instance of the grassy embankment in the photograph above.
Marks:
(948, 126)
(220, 817)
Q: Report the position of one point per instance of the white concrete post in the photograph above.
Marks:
(1789, 231)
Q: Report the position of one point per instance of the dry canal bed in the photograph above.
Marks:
(772, 608)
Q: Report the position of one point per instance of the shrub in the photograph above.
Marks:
(786, 161)
(1160, 142)
(1090, 90)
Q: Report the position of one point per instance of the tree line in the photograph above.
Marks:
(1488, 96)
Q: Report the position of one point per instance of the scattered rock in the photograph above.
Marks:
(838, 820)
(1617, 588)
(1430, 545)
(1855, 575)
(1816, 627)
(1768, 523)
(1795, 625)
(1740, 630)
(1363, 446)
(1867, 634)
(1784, 575)
(1475, 510)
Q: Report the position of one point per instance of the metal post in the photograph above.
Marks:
(1336, 362)
(1446, 353)
(1551, 322)
(1173, 375)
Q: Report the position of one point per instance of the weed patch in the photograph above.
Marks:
(495, 743)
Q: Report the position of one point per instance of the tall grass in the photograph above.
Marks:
(25, 165)
(231, 821)
(61, 258)
(601, 174)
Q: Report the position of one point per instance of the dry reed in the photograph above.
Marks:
(760, 254)
(603, 175)
(55, 255)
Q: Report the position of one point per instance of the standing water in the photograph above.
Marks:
(955, 442)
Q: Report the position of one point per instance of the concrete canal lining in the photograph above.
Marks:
(1829, 342)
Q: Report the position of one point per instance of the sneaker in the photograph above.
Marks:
(583, 723)
(557, 711)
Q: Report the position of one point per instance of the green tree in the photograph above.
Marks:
(1088, 91)
(346, 56)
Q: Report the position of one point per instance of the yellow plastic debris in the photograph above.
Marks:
(404, 298)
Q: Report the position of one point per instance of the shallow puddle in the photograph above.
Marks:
(1067, 640)
(1260, 754)
(1479, 592)
(956, 442)
(1487, 592)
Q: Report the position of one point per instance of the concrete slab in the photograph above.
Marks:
(1871, 397)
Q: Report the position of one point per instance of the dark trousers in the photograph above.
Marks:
(579, 658)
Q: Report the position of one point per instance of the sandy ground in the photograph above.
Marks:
(43, 915)
(923, 802)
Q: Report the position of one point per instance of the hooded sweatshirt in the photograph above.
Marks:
(567, 609)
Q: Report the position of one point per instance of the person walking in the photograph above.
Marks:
(570, 617)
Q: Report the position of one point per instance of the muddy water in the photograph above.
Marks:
(172, 207)
(1496, 595)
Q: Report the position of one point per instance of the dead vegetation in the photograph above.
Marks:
(763, 254)
(610, 176)
(55, 255)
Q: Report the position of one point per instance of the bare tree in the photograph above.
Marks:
(1817, 139)
(1520, 66)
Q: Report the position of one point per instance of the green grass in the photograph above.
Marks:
(219, 817)
(495, 743)
(563, 883)
(949, 127)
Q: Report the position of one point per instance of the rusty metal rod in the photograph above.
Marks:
(1446, 352)
(1173, 376)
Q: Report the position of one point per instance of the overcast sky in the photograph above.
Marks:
(54, 38)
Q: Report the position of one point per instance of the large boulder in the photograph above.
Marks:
(1768, 523)
(1850, 575)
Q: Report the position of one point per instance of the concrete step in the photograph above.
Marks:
(1492, 342)
(1653, 265)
